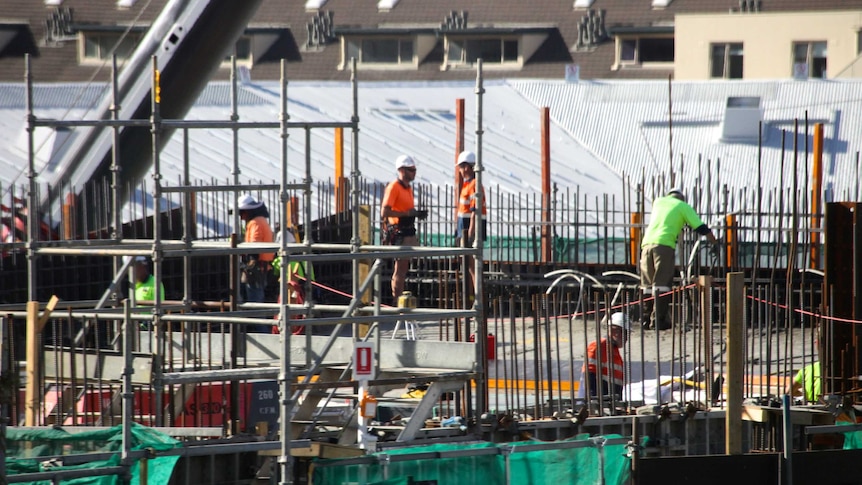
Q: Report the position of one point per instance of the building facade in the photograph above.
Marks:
(404, 40)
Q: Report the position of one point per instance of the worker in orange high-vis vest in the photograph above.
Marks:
(467, 229)
(607, 360)
(398, 214)
(255, 266)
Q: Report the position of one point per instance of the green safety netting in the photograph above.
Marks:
(852, 439)
(26, 451)
(465, 464)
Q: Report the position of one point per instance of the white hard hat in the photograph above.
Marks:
(404, 161)
(467, 157)
(676, 192)
(620, 320)
(247, 202)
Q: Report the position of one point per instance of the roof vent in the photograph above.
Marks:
(591, 30)
(742, 117)
(386, 5)
(454, 21)
(320, 32)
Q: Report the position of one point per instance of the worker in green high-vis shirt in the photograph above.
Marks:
(145, 282)
(670, 214)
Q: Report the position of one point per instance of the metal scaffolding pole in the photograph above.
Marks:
(285, 376)
(481, 324)
(158, 356)
(31, 177)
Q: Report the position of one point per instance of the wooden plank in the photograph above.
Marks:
(735, 364)
(49, 308)
(317, 449)
(798, 415)
(364, 264)
(107, 366)
(32, 396)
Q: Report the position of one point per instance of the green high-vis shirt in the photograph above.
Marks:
(669, 216)
(809, 378)
(146, 291)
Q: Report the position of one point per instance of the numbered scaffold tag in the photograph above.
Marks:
(363, 361)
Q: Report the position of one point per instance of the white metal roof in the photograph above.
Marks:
(413, 118)
(625, 124)
(600, 130)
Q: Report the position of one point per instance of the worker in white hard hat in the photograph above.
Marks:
(466, 227)
(398, 214)
(605, 358)
(670, 214)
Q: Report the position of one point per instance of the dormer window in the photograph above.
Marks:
(98, 46)
(395, 47)
(643, 47)
(393, 51)
(492, 50)
(242, 50)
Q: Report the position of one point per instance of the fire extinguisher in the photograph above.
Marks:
(492, 345)
(368, 406)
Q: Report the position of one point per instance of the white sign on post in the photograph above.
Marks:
(363, 361)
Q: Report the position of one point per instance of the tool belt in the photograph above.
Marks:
(255, 275)
(394, 234)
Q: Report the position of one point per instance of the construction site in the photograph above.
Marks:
(446, 384)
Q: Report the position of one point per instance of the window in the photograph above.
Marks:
(809, 59)
(726, 61)
(490, 50)
(393, 51)
(242, 51)
(97, 46)
(645, 50)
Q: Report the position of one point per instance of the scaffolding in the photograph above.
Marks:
(279, 360)
(147, 336)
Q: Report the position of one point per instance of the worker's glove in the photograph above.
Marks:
(251, 265)
(422, 214)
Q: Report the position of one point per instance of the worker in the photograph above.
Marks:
(297, 275)
(806, 383)
(145, 282)
(658, 251)
(608, 358)
(398, 214)
(466, 229)
(256, 266)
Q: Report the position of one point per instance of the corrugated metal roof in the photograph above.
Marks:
(395, 118)
(599, 131)
(625, 124)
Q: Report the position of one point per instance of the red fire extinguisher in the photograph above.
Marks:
(492, 345)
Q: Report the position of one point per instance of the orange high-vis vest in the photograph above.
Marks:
(467, 200)
(399, 198)
(616, 365)
(258, 230)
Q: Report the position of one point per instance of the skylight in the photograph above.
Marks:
(386, 5)
(314, 4)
